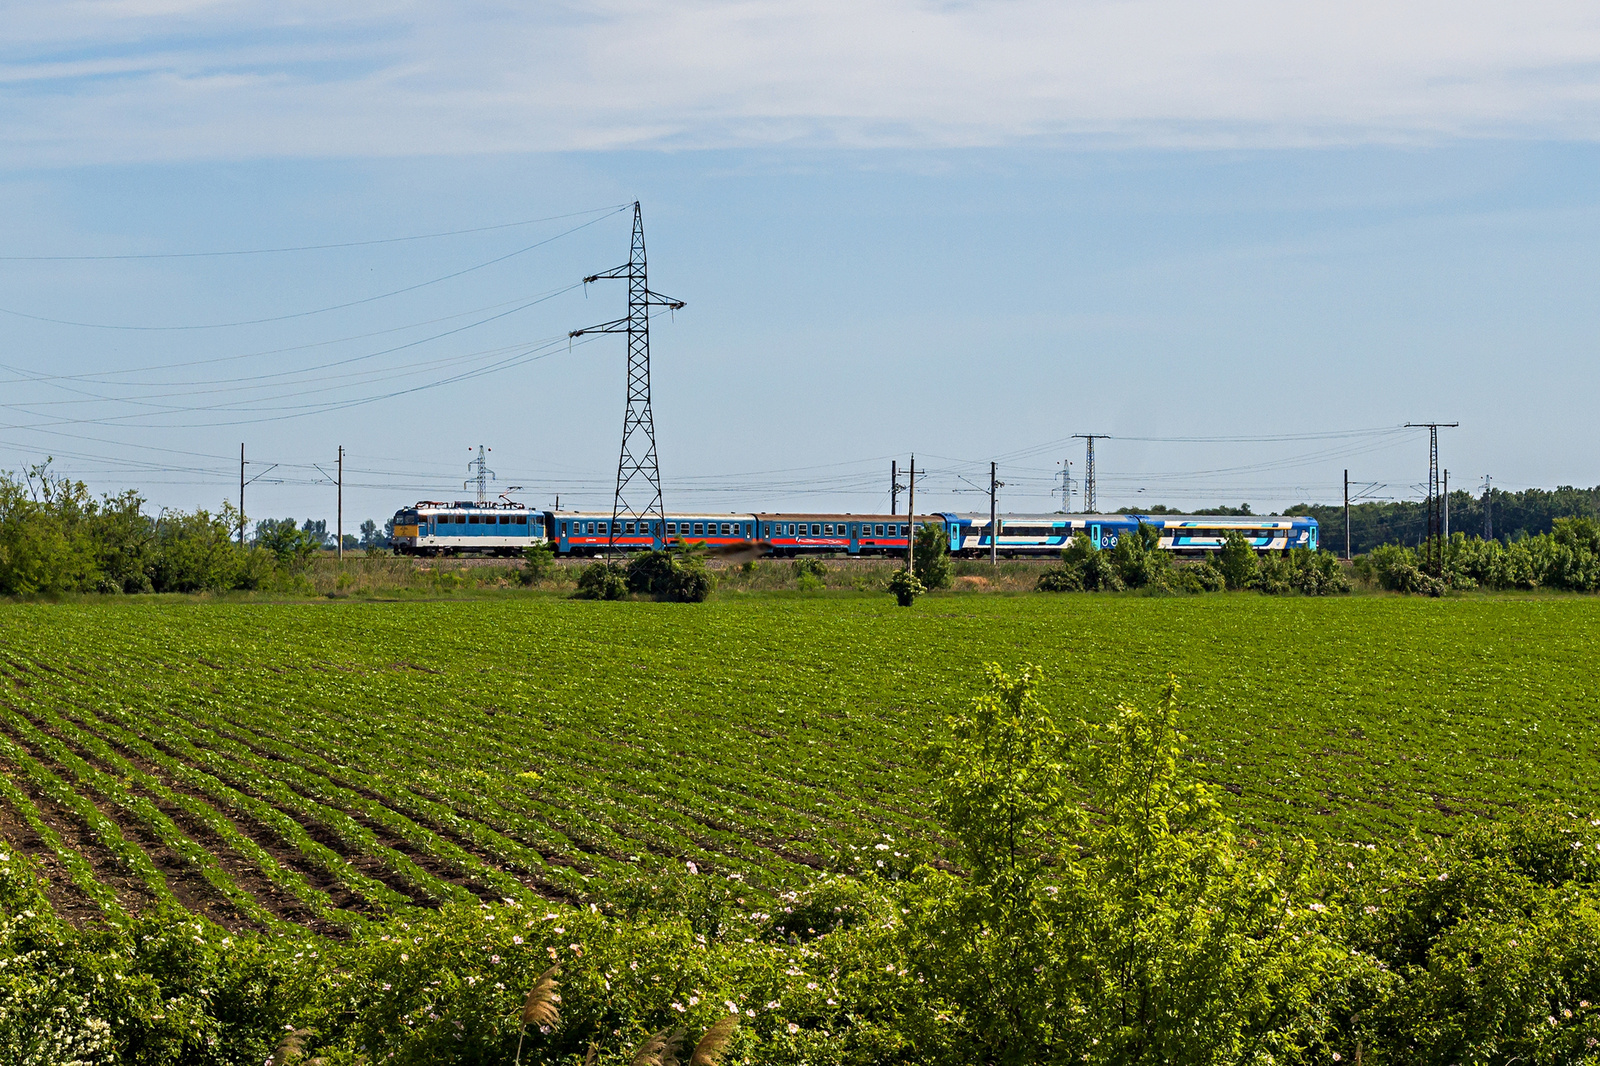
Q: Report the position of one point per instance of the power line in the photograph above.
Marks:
(315, 311)
(303, 247)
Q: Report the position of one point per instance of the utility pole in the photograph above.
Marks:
(339, 521)
(242, 483)
(1445, 493)
(638, 474)
(1488, 515)
(911, 513)
(1088, 470)
(1066, 486)
(1434, 558)
(1347, 515)
(894, 486)
(995, 486)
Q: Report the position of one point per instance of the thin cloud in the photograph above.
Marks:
(90, 82)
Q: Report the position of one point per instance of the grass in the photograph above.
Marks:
(318, 762)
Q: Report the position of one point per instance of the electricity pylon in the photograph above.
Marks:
(638, 495)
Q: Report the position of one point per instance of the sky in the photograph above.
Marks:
(1248, 241)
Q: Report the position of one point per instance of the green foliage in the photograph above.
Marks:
(538, 563)
(46, 545)
(1083, 568)
(1237, 562)
(1516, 515)
(1141, 933)
(669, 576)
(931, 559)
(809, 572)
(1202, 576)
(1139, 560)
(1483, 943)
(1566, 558)
(602, 581)
(289, 543)
(905, 587)
(196, 552)
(809, 566)
(1302, 570)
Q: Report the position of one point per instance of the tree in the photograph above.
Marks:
(931, 559)
(290, 544)
(1139, 933)
(317, 532)
(372, 539)
(191, 552)
(1237, 561)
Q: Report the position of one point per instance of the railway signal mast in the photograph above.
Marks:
(1434, 558)
(1088, 469)
(638, 495)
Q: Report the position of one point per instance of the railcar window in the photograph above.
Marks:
(878, 530)
(827, 529)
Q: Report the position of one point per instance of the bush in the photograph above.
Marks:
(1140, 932)
(1202, 576)
(1237, 562)
(1083, 568)
(1139, 560)
(194, 552)
(809, 567)
(905, 587)
(602, 581)
(538, 562)
(931, 560)
(669, 577)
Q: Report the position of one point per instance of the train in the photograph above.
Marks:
(501, 528)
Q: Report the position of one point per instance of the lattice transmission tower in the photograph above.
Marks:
(1433, 556)
(481, 474)
(1088, 470)
(638, 496)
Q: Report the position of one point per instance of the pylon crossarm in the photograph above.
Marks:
(614, 272)
(655, 299)
(619, 326)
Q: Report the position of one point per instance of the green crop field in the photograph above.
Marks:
(309, 765)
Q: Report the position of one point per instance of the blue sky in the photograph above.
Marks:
(1247, 240)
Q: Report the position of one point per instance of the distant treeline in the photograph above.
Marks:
(55, 537)
(1516, 515)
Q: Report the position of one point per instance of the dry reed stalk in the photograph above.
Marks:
(709, 1051)
(659, 1049)
(540, 1006)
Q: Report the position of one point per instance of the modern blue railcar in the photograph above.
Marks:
(436, 528)
(1047, 534)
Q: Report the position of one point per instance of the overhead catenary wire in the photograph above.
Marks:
(609, 209)
(314, 311)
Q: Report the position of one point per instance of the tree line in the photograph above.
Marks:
(1515, 515)
(56, 537)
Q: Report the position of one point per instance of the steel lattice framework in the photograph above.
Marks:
(1433, 550)
(638, 474)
